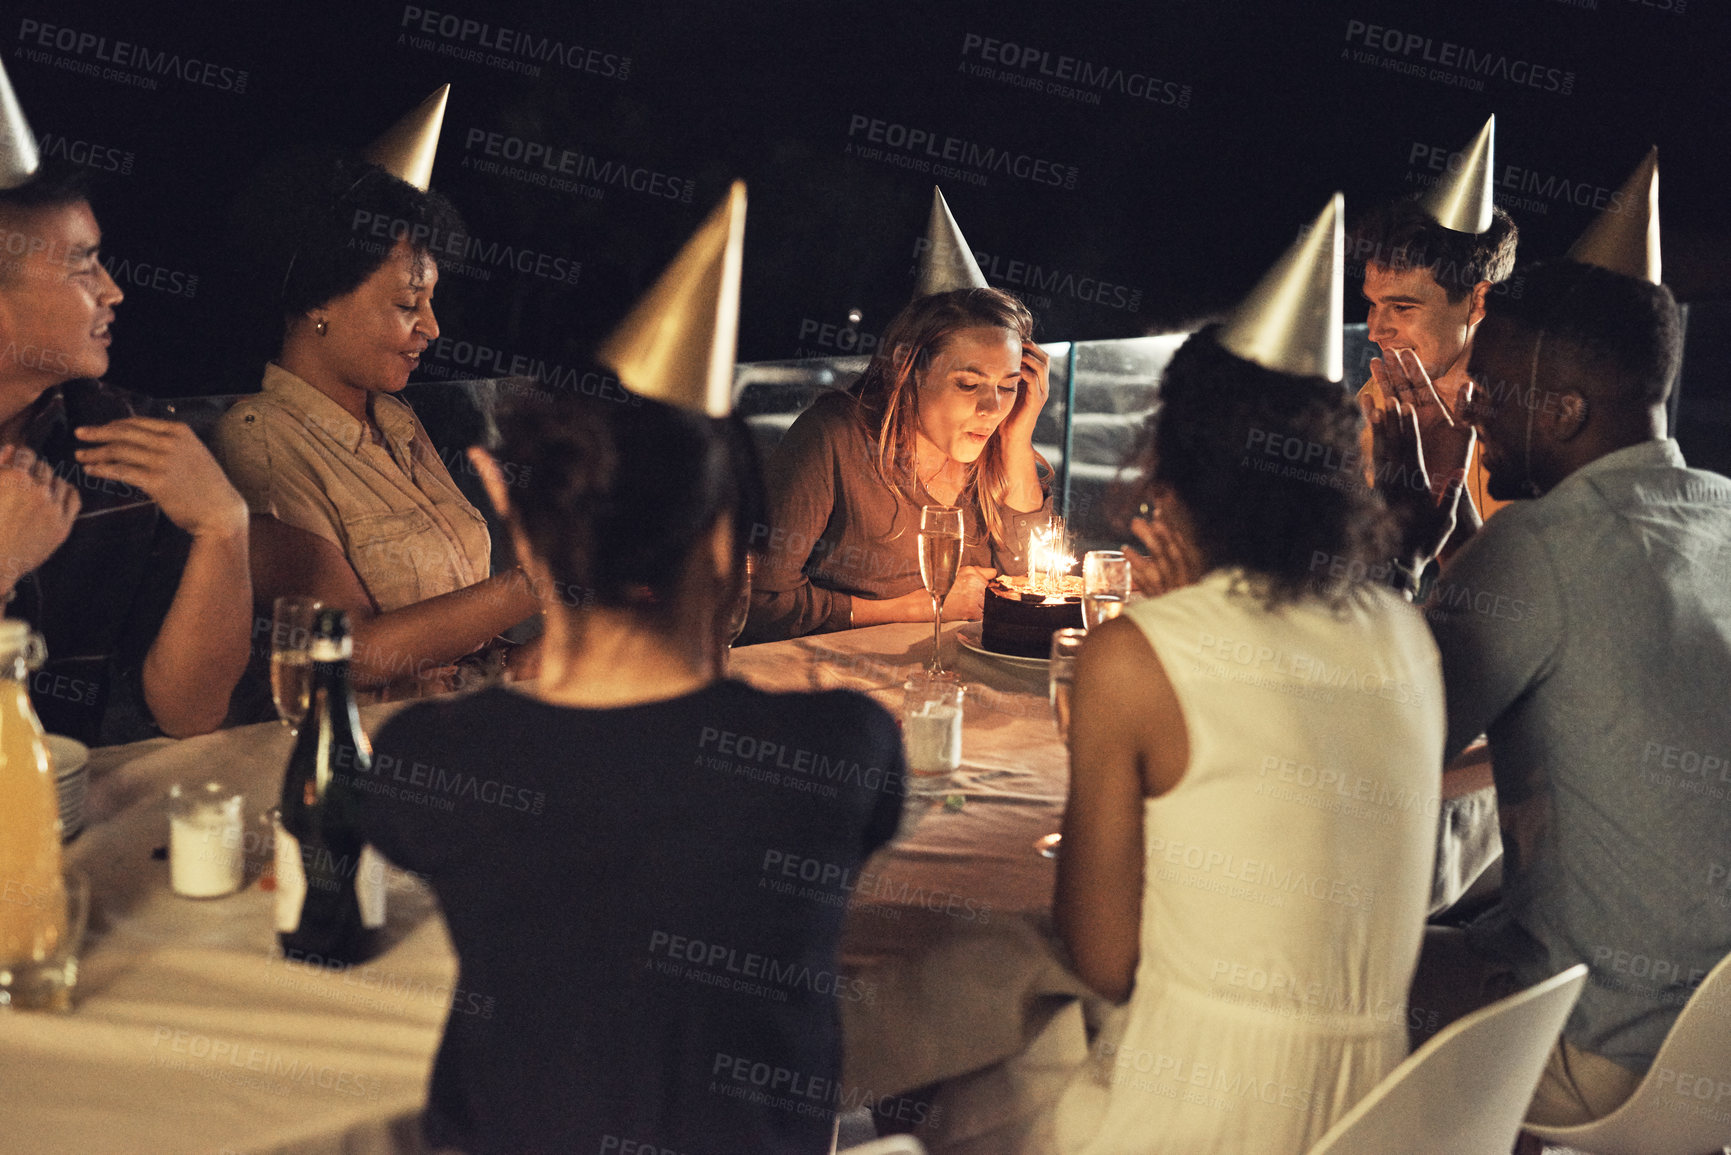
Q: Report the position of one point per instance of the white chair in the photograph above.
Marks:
(893, 1145)
(1465, 1091)
(1683, 1106)
(860, 1119)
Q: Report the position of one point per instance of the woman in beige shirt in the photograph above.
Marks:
(350, 501)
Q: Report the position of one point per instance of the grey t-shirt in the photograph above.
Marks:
(1588, 634)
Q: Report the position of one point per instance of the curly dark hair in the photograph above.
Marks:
(316, 225)
(1400, 234)
(1299, 524)
(1624, 336)
(614, 494)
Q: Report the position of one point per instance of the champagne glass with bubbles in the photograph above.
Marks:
(940, 562)
(1060, 679)
(1105, 585)
(742, 604)
(291, 664)
(740, 611)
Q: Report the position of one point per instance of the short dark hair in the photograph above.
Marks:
(55, 184)
(614, 493)
(322, 223)
(1400, 234)
(1204, 438)
(1625, 334)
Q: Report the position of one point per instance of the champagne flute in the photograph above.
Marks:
(940, 562)
(1105, 585)
(742, 606)
(1061, 674)
(291, 664)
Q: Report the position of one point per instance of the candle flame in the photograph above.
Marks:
(1048, 559)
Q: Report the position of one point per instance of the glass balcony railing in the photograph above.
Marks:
(1087, 430)
(1102, 392)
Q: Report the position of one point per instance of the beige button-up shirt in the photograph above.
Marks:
(402, 523)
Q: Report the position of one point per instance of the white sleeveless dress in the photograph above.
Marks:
(1286, 885)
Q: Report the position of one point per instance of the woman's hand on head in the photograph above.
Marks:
(967, 600)
(1018, 427)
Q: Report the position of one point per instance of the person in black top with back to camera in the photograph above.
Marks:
(607, 845)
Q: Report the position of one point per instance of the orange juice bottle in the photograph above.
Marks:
(32, 892)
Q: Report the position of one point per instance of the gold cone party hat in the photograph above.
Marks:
(947, 263)
(1291, 322)
(408, 147)
(677, 343)
(1461, 200)
(19, 159)
(1625, 237)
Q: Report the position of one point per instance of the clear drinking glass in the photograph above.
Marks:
(44, 981)
(1061, 672)
(940, 562)
(1061, 676)
(1105, 585)
(291, 663)
(741, 607)
(931, 733)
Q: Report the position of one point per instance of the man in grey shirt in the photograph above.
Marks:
(1587, 632)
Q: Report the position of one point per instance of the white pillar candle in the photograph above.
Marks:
(934, 739)
(206, 857)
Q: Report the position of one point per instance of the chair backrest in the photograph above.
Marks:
(1465, 1091)
(1683, 1106)
(893, 1145)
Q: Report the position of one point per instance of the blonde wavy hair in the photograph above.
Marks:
(889, 397)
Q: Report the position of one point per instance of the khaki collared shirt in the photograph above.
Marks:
(296, 455)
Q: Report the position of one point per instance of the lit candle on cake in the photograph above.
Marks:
(1062, 563)
(1020, 613)
(1049, 559)
(1038, 550)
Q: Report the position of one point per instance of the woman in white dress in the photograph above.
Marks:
(1255, 767)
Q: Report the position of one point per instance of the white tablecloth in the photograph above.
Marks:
(187, 1034)
(948, 927)
(190, 1036)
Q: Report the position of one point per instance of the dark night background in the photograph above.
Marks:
(1181, 201)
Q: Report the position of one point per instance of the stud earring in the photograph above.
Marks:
(321, 326)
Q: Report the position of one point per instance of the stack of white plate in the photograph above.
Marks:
(71, 761)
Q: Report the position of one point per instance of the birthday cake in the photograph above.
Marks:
(1020, 621)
